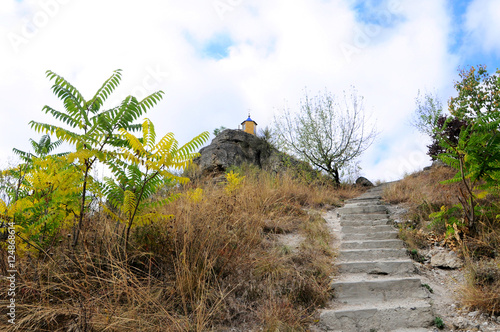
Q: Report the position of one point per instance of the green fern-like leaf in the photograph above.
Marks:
(105, 91)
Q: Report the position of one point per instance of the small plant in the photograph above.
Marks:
(414, 254)
(234, 181)
(443, 220)
(439, 323)
(219, 130)
(285, 250)
(428, 287)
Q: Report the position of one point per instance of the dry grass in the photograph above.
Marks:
(423, 194)
(423, 187)
(482, 289)
(216, 265)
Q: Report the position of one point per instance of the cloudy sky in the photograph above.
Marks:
(217, 59)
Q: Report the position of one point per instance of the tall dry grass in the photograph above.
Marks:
(421, 187)
(422, 194)
(217, 264)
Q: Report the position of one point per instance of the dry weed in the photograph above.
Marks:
(423, 194)
(215, 265)
(482, 290)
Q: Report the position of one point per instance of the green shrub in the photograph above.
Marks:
(439, 323)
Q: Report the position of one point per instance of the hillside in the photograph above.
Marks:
(259, 258)
(462, 266)
(217, 263)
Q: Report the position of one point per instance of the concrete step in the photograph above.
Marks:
(374, 216)
(393, 267)
(357, 255)
(416, 329)
(367, 229)
(370, 236)
(365, 209)
(383, 318)
(365, 222)
(376, 291)
(370, 197)
(373, 244)
(364, 202)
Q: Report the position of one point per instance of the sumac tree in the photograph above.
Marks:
(90, 128)
(143, 167)
(470, 138)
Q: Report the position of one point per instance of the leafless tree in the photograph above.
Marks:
(329, 134)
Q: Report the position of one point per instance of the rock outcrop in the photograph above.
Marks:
(235, 148)
(364, 182)
(435, 164)
(445, 259)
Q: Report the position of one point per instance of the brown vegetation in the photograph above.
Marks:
(434, 217)
(216, 264)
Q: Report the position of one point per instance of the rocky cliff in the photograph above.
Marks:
(236, 147)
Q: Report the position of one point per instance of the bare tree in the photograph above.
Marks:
(429, 109)
(329, 134)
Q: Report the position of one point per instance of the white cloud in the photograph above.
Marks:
(483, 26)
(279, 48)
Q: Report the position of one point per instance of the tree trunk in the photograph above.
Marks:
(82, 207)
(334, 172)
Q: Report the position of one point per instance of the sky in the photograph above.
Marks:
(217, 60)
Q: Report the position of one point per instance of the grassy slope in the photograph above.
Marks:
(216, 264)
(423, 194)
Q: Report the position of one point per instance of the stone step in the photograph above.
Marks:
(365, 222)
(382, 318)
(373, 244)
(370, 236)
(376, 291)
(364, 209)
(375, 194)
(393, 267)
(416, 329)
(367, 196)
(374, 216)
(364, 202)
(367, 229)
(357, 255)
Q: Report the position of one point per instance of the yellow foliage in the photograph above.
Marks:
(234, 182)
(195, 195)
(146, 218)
(482, 195)
(46, 201)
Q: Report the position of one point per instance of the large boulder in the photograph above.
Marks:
(235, 148)
(364, 182)
(445, 259)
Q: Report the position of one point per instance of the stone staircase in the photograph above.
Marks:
(376, 288)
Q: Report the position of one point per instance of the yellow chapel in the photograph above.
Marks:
(249, 126)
